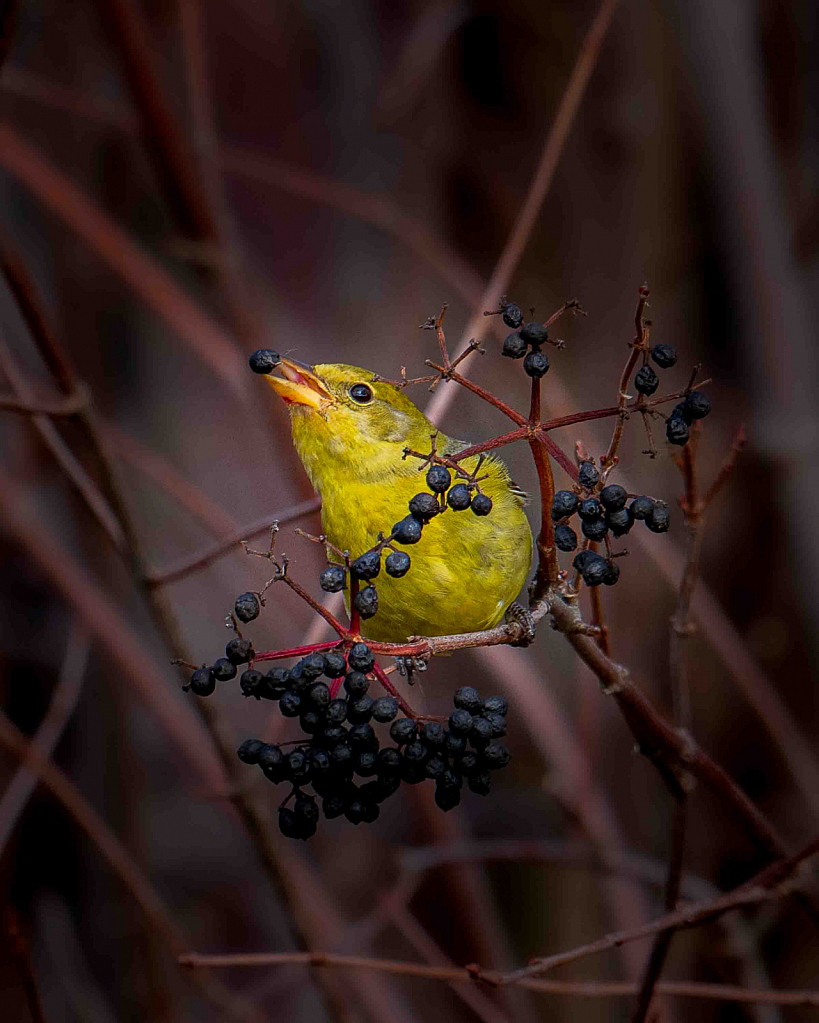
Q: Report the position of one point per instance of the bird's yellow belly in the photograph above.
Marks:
(466, 570)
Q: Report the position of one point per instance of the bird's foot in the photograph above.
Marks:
(516, 614)
(407, 666)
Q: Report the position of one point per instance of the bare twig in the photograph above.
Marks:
(63, 701)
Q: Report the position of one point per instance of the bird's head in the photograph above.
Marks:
(345, 419)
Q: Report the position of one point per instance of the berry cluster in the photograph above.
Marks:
(695, 405)
(601, 510)
(530, 336)
(341, 745)
(422, 509)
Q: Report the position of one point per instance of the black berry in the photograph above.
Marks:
(534, 334)
(595, 529)
(459, 497)
(446, 797)
(646, 380)
(397, 564)
(564, 503)
(641, 507)
(251, 682)
(223, 669)
(696, 405)
(468, 698)
(385, 708)
(290, 704)
(360, 711)
(595, 571)
(336, 712)
(496, 705)
(246, 607)
(248, 752)
(612, 574)
(460, 721)
(480, 783)
(536, 364)
(272, 762)
(587, 475)
(676, 430)
(360, 657)
(424, 506)
(367, 566)
(202, 682)
(265, 360)
(620, 522)
(514, 347)
(239, 651)
(590, 508)
(481, 504)
(403, 731)
(565, 538)
(366, 601)
(495, 755)
(408, 530)
(512, 316)
(333, 579)
(433, 734)
(438, 478)
(613, 497)
(480, 733)
(356, 684)
(664, 355)
(659, 520)
(334, 664)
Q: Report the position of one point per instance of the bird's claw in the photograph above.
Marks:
(407, 666)
(516, 614)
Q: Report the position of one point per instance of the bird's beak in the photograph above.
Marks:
(300, 385)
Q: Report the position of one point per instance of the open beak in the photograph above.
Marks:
(300, 385)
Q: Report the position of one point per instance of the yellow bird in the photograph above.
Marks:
(350, 430)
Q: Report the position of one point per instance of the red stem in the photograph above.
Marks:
(295, 651)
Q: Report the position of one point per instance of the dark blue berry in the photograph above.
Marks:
(481, 504)
(272, 762)
(333, 579)
(434, 767)
(676, 430)
(433, 734)
(246, 607)
(403, 731)
(641, 507)
(366, 602)
(534, 334)
(460, 721)
(438, 478)
(335, 664)
(290, 704)
(365, 762)
(587, 475)
(202, 682)
(265, 360)
(664, 355)
(595, 571)
(563, 503)
(388, 761)
(459, 497)
(613, 497)
(565, 538)
(495, 755)
(424, 506)
(496, 705)
(498, 723)
(385, 708)
(514, 347)
(595, 529)
(248, 752)
(620, 522)
(696, 406)
(356, 684)
(360, 658)
(336, 712)
(367, 566)
(480, 733)
(590, 508)
(612, 574)
(536, 364)
(239, 651)
(251, 682)
(468, 698)
(407, 531)
(659, 520)
(512, 316)
(480, 783)
(223, 669)
(397, 564)
(646, 380)
(361, 710)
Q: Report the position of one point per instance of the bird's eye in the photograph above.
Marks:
(361, 393)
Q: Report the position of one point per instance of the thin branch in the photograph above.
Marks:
(159, 917)
(63, 701)
(143, 274)
(637, 349)
(196, 562)
(765, 885)
(67, 407)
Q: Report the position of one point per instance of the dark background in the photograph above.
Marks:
(360, 165)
